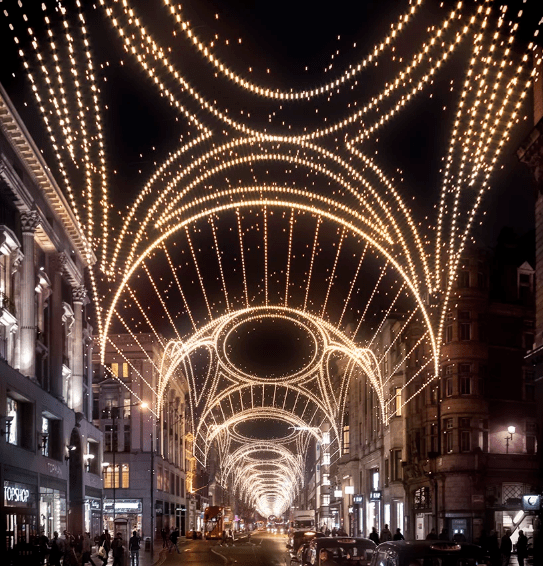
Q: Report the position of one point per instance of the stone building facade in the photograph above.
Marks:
(49, 449)
(147, 450)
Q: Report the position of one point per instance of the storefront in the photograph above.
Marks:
(129, 509)
(373, 511)
(52, 511)
(93, 516)
(20, 507)
(358, 515)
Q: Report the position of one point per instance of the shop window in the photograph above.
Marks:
(21, 430)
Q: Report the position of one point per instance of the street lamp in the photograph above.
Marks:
(511, 430)
(113, 415)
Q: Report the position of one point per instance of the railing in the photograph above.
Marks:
(7, 303)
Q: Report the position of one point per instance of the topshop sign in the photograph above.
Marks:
(16, 494)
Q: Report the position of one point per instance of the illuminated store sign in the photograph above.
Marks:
(17, 494)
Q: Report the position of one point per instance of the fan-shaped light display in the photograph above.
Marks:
(273, 210)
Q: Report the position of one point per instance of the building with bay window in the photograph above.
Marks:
(49, 449)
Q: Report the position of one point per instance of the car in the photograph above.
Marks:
(338, 551)
(297, 539)
(428, 553)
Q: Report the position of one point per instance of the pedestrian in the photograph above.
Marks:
(522, 548)
(374, 535)
(164, 534)
(173, 538)
(117, 549)
(398, 535)
(105, 543)
(134, 548)
(43, 545)
(506, 547)
(86, 549)
(55, 553)
(334, 532)
(432, 535)
(494, 549)
(70, 557)
(444, 534)
(386, 535)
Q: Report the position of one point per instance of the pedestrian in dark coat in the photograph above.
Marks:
(522, 548)
(398, 535)
(118, 550)
(506, 547)
(386, 535)
(374, 535)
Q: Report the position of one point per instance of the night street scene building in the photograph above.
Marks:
(241, 292)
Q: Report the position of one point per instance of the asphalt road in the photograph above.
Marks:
(263, 550)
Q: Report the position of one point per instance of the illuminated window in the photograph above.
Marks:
(326, 499)
(398, 407)
(12, 409)
(326, 458)
(111, 477)
(125, 470)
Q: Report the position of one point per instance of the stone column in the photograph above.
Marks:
(57, 265)
(29, 223)
(79, 294)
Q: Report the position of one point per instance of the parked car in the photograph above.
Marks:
(343, 551)
(428, 553)
(297, 539)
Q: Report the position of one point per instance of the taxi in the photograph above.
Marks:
(338, 551)
(428, 553)
(299, 538)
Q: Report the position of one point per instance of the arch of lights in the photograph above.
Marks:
(257, 187)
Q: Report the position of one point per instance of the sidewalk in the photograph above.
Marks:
(159, 555)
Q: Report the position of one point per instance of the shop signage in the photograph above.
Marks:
(123, 506)
(375, 495)
(358, 499)
(94, 504)
(531, 502)
(17, 495)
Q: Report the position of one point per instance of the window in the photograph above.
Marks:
(119, 370)
(326, 499)
(529, 386)
(111, 477)
(325, 479)
(463, 278)
(398, 407)
(346, 435)
(326, 458)
(449, 387)
(20, 413)
(421, 498)
(531, 437)
(12, 412)
(433, 439)
(448, 434)
(465, 441)
(464, 331)
(387, 471)
(448, 333)
(396, 464)
(172, 483)
(159, 484)
(44, 440)
(375, 480)
(464, 371)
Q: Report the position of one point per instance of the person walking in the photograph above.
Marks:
(506, 547)
(386, 535)
(522, 548)
(134, 548)
(432, 535)
(374, 535)
(173, 538)
(398, 535)
(86, 549)
(70, 557)
(444, 534)
(117, 549)
(55, 553)
(164, 534)
(105, 543)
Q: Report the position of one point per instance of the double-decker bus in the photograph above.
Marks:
(216, 520)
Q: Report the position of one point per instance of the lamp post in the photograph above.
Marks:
(113, 415)
(511, 430)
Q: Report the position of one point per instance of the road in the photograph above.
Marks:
(264, 550)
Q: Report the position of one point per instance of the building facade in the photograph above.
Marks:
(49, 449)
(145, 443)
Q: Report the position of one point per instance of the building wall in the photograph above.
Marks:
(51, 480)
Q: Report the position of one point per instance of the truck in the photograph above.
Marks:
(302, 519)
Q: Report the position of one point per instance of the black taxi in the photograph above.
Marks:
(299, 538)
(338, 551)
(428, 553)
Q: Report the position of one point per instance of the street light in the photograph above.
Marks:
(511, 430)
(113, 414)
